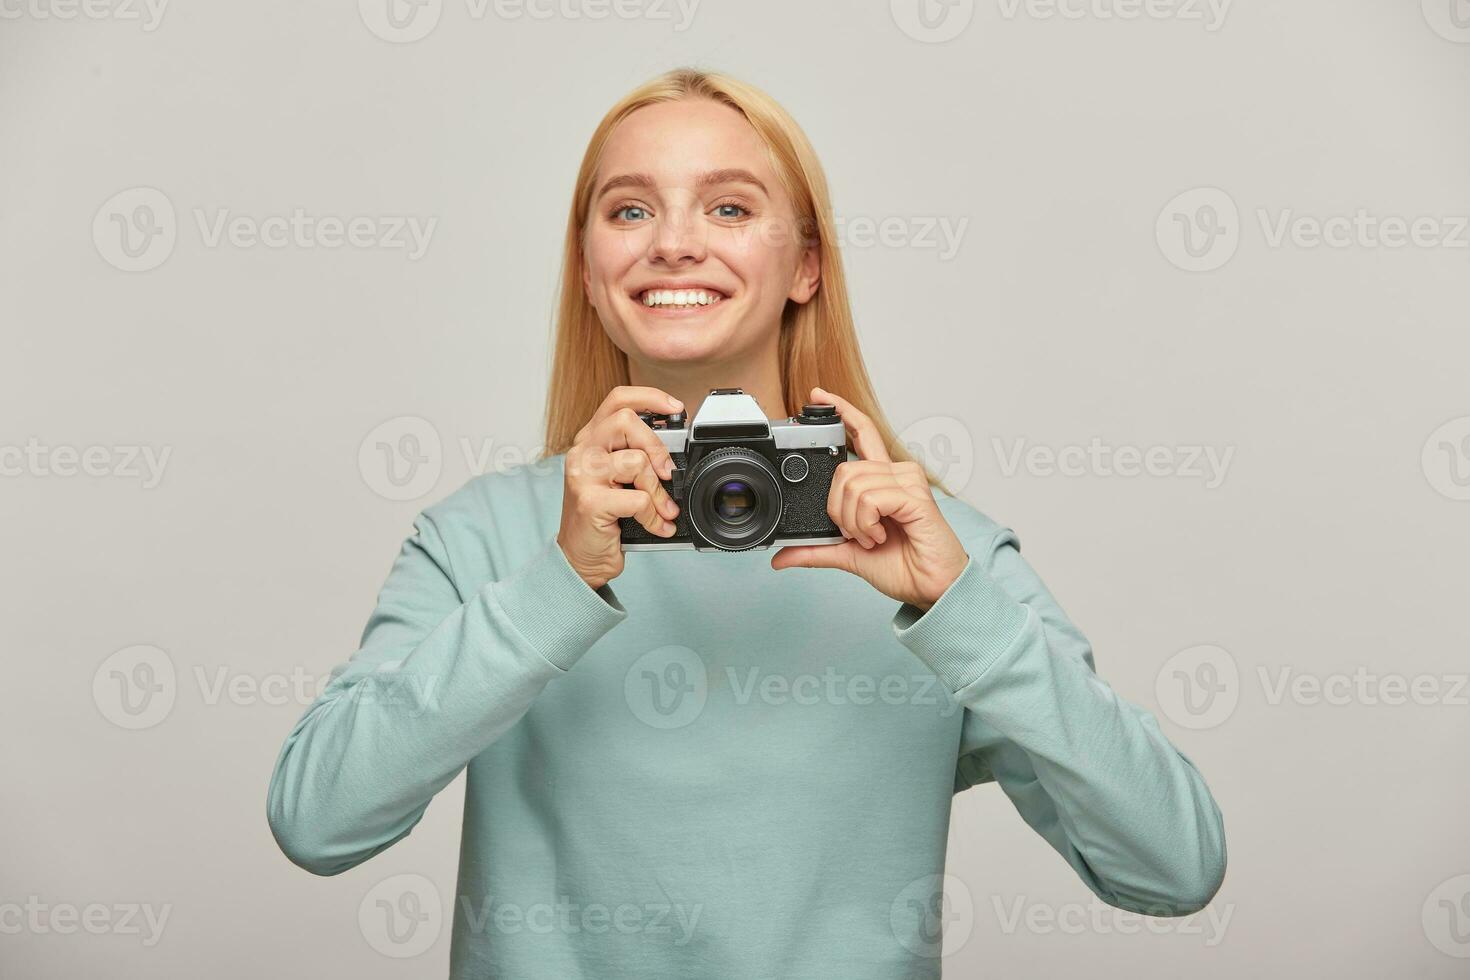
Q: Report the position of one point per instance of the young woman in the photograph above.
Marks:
(721, 769)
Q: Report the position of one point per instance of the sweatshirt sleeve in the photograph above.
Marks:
(1088, 771)
(437, 679)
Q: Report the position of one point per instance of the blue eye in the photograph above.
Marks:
(730, 211)
(631, 212)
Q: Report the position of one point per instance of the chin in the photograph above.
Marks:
(679, 345)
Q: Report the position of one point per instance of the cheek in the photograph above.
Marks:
(763, 255)
(608, 257)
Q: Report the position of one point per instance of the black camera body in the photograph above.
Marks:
(743, 481)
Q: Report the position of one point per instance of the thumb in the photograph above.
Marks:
(817, 556)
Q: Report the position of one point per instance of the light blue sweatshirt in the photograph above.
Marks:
(708, 768)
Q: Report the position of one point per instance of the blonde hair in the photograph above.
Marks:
(818, 345)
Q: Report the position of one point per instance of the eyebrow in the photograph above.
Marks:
(728, 175)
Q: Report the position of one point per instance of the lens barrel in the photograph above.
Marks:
(734, 498)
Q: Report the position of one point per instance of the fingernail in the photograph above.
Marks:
(675, 404)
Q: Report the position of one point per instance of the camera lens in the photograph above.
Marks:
(734, 502)
(734, 498)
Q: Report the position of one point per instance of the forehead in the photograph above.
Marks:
(675, 142)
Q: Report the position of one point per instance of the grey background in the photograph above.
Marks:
(1335, 542)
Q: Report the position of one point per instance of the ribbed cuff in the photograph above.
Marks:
(554, 609)
(967, 628)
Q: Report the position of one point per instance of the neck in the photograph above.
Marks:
(758, 377)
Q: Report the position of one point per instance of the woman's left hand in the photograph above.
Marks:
(897, 539)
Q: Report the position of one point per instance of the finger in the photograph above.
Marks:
(631, 466)
(879, 500)
(625, 430)
(639, 398)
(865, 437)
(837, 491)
(645, 479)
(615, 502)
(841, 556)
(859, 513)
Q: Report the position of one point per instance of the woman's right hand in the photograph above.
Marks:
(615, 447)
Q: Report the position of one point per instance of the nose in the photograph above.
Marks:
(679, 238)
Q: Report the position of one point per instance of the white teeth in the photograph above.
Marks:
(680, 297)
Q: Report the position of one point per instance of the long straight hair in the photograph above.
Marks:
(818, 345)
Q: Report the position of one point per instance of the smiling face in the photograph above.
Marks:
(691, 249)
